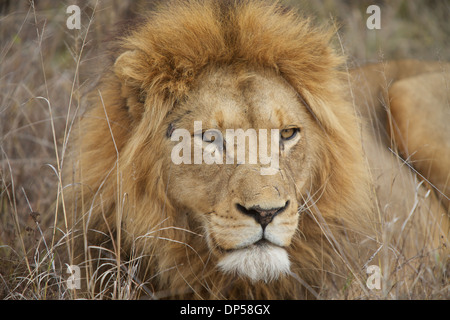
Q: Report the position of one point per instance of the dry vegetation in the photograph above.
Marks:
(45, 71)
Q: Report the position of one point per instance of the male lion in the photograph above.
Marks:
(341, 198)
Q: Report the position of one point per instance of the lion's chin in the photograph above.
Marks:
(265, 262)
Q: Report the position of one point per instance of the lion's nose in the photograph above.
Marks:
(263, 216)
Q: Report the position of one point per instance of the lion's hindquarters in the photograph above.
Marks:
(420, 110)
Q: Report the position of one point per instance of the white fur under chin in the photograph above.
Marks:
(257, 262)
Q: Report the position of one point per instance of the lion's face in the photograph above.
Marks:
(247, 218)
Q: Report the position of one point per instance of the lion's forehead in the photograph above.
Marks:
(228, 102)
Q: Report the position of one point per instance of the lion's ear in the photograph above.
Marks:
(128, 69)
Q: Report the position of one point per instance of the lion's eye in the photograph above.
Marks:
(209, 139)
(288, 134)
(210, 135)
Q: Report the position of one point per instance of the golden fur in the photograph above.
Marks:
(247, 64)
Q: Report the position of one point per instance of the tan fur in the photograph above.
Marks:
(422, 133)
(245, 65)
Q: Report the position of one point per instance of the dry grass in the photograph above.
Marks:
(45, 69)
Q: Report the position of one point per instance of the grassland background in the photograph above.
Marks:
(46, 69)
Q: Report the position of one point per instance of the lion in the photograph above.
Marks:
(341, 197)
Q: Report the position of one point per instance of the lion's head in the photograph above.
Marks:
(225, 229)
(249, 218)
